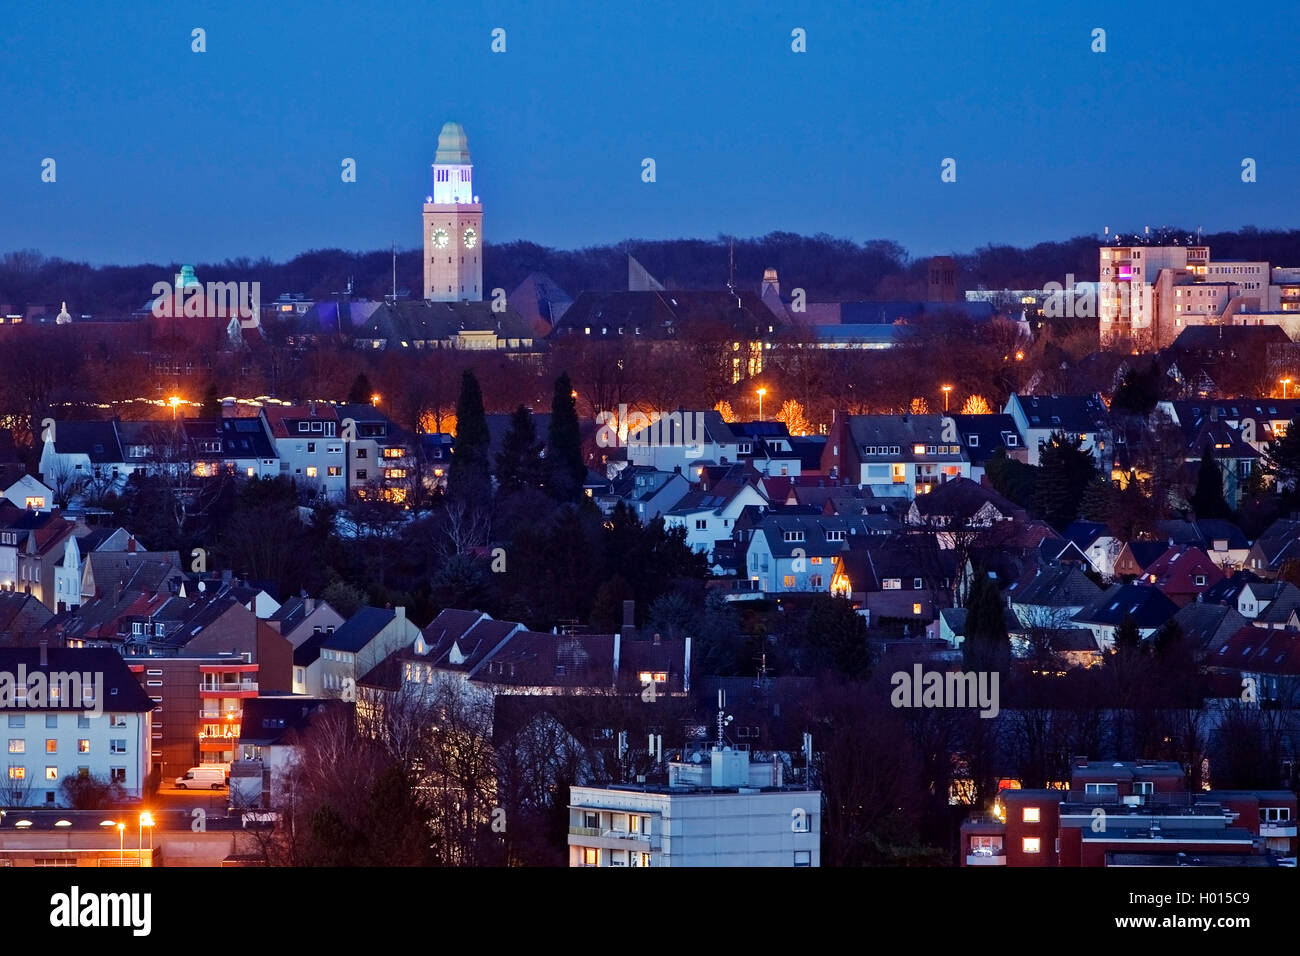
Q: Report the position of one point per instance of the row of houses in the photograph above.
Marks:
(336, 450)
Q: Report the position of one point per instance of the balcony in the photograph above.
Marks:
(611, 839)
(232, 688)
(987, 858)
(1286, 828)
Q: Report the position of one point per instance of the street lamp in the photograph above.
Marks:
(945, 389)
(761, 393)
(174, 402)
(146, 820)
(121, 853)
(1285, 382)
(374, 399)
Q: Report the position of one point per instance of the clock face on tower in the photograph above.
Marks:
(440, 238)
(471, 238)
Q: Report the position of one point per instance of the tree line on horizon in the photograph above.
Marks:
(829, 268)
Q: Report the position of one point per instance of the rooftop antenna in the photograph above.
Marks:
(723, 719)
(394, 272)
(731, 265)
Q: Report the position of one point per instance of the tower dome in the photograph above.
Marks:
(453, 147)
(63, 318)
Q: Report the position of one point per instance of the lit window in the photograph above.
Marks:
(311, 471)
(17, 773)
(17, 745)
(1030, 815)
(590, 856)
(51, 745)
(916, 609)
(83, 746)
(51, 773)
(1031, 845)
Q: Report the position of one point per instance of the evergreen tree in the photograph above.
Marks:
(565, 470)
(987, 646)
(1064, 471)
(211, 403)
(1207, 500)
(1127, 635)
(1282, 460)
(519, 463)
(360, 392)
(836, 637)
(468, 474)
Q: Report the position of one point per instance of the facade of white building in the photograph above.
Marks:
(723, 810)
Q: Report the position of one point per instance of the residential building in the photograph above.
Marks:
(1084, 417)
(360, 643)
(895, 455)
(720, 807)
(1144, 603)
(1151, 818)
(97, 724)
(309, 446)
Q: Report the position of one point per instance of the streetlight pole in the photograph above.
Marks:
(121, 852)
(761, 393)
(946, 389)
(1285, 383)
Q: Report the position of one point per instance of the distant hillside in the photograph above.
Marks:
(828, 268)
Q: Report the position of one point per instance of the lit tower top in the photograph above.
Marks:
(452, 169)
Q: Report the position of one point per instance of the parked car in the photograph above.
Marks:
(202, 778)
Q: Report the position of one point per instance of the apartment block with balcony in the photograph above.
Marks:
(719, 808)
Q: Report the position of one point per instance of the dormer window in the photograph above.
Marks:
(973, 441)
(792, 536)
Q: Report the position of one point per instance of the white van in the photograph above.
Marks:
(211, 776)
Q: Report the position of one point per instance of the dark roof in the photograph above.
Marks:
(266, 720)
(306, 653)
(1146, 553)
(991, 432)
(664, 314)
(359, 630)
(1070, 413)
(1084, 533)
(961, 498)
(402, 324)
(1229, 337)
(97, 440)
(122, 692)
(1148, 607)
(1059, 586)
(1208, 626)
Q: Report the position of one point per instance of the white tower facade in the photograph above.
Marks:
(453, 224)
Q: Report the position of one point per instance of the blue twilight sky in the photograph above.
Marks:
(168, 155)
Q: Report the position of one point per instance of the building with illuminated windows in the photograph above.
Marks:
(1132, 813)
(721, 806)
(97, 725)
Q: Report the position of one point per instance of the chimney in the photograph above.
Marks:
(686, 668)
(618, 647)
(657, 637)
(130, 543)
(45, 652)
(309, 604)
(400, 611)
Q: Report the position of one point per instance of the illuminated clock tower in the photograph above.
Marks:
(453, 224)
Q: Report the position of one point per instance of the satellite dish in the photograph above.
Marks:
(695, 758)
